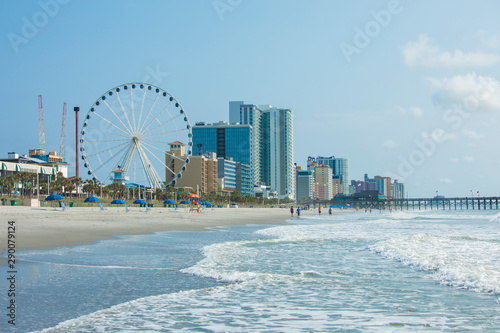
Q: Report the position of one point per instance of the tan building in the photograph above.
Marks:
(336, 186)
(323, 175)
(200, 173)
(320, 192)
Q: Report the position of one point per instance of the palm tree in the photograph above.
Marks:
(9, 184)
(90, 186)
(24, 177)
(76, 183)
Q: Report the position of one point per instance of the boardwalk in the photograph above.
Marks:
(479, 203)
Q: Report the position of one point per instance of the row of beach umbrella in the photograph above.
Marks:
(54, 197)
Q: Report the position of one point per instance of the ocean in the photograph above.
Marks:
(357, 272)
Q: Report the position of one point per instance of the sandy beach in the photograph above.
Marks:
(40, 228)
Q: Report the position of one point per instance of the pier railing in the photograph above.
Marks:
(458, 203)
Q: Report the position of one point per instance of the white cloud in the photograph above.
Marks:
(468, 159)
(470, 91)
(424, 52)
(473, 134)
(389, 144)
(446, 180)
(489, 40)
(454, 159)
(414, 111)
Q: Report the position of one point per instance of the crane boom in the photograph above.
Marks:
(62, 148)
(41, 129)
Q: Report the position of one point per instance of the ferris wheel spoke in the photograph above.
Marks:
(161, 124)
(148, 168)
(159, 114)
(109, 122)
(107, 150)
(124, 112)
(163, 133)
(125, 163)
(149, 112)
(118, 118)
(133, 111)
(108, 160)
(163, 164)
(142, 107)
(101, 141)
(152, 141)
(176, 157)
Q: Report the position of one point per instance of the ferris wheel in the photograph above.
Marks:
(128, 130)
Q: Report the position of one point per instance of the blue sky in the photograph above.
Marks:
(408, 89)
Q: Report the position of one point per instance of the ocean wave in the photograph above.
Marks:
(462, 262)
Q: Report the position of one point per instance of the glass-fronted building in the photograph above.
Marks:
(228, 142)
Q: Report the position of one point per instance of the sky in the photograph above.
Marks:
(406, 89)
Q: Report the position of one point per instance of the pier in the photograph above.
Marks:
(458, 203)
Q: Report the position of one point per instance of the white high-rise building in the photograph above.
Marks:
(273, 144)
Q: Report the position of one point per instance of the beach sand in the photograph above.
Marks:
(41, 228)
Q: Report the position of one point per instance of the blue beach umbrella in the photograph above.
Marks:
(117, 202)
(140, 202)
(207, 203)
(92, 199)
(185, 202)
(53, 197)
(169, 202)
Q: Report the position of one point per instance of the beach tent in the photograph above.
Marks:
(117, 202)
(92, 199)
(53, 197)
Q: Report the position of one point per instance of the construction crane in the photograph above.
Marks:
(41, 130)
(62, 149)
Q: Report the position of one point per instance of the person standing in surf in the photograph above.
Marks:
(291, 210)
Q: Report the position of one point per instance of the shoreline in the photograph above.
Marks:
(44, 228)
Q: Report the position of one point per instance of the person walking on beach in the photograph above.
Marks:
(291, 210)
(330, 211)
(319, 210)
(298, 212)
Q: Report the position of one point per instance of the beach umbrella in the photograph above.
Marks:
(193, 196)
(53, 197)
(117, 202)
(207, 203)
(185, 202)
(16, 192)
(140, 202)
(169, 202)
(92, 199)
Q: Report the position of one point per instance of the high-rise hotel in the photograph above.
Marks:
(272, 144)
(258, 136)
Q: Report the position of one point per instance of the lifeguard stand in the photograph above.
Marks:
(119, 177)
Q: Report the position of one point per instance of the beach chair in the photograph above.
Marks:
(126, 209)
(63, 206)
(101, 207)
(148, 209)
